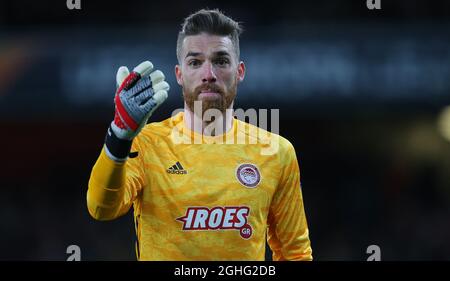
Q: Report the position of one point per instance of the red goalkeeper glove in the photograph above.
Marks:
(139, 93)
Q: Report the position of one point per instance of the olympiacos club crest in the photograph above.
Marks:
(248, 175)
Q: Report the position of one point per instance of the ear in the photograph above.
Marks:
(241, 71)
(178, 75)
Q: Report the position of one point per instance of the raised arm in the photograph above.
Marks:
(116, 180)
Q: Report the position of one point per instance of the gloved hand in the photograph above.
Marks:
(138, 94)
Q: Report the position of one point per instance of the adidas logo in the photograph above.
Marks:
(177, 169)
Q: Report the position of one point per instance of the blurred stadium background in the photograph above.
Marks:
(363, 96)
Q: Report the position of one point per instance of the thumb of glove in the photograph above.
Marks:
(122, 73)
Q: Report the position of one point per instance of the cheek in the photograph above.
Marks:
(225, 76)
(230, 79)
(185, 78)
(189, 76)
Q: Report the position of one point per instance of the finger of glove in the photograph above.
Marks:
(145, 93)
(122, 73)
(161, 86)
(144, 68)
(157, 76)
(160, 96)
(155, 101)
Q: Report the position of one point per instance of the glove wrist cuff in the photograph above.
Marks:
(117, 149)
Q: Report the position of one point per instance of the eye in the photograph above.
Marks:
(194, 63)
(222, 61)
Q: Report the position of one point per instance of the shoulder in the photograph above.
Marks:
(272, 143)
(160, 129)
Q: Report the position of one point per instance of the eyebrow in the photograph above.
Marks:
(192, 54)
(222, 53)
(218, 53)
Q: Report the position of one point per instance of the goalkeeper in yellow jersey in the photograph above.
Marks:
(201, 188)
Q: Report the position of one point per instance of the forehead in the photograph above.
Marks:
(206, 43)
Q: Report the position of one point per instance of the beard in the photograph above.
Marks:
(222, 102)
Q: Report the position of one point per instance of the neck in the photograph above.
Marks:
(217, 125)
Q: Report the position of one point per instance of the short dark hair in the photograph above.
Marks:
(212, 22)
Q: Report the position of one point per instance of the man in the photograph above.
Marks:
(197, 192)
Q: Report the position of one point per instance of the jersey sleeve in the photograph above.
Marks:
(288, 234)
(113, 187)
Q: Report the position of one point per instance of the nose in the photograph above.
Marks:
(208, 73)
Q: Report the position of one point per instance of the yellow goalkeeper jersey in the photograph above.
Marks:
(199, 197)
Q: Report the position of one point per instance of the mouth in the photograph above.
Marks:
(209, 94)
